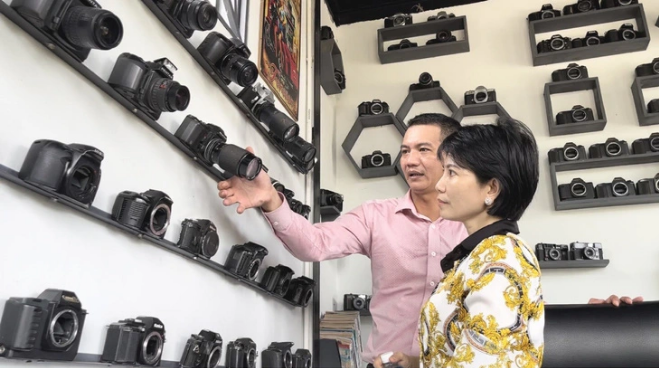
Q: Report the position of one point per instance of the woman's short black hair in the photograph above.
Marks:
(505, 151)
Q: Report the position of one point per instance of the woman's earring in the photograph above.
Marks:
(488, 201)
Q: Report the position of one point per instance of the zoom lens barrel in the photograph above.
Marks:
(92, 28)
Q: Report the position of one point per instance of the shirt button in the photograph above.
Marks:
(433, 254)
(432, 226)
(276, 223)
(432, 283)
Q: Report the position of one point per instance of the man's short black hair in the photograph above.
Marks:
(505, 151)
(447, 124)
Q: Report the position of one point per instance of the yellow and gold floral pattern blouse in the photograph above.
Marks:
(488, 310)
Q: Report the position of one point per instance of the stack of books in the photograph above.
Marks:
(345, 328)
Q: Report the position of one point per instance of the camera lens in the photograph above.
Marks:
(338, 77)
(405, 44)
(199, 16)
(655, 67)
(480, 95)
(590, 253)
(578, 190)
(92, 28)
(302, 150)
(592, 41)
(654, 144)
(152, 348)
(168, 95)
(574, 73)
(547, 14)
(656, 183)
(425, 79)
(307, 297)
(63, 329)
(579, 115)
(554, 254)
(377, 160)
(159, 220)
(239, 70)
(624, 2)
(279, 124)
(443, 35)
(628, 34)
(613, 149)
(214, 357)
(399, 20)
(251, 358)
(570, 153)
(288, 359)
(376, 108)
(209, 245)
(284, 285)
(585, 6)
(233, 159)
(358, 303)
(557, 44)
(620, 189)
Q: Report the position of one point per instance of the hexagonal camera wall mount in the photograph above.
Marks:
(371, 121)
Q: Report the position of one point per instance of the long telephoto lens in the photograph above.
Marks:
(233, 159)
(280, 125)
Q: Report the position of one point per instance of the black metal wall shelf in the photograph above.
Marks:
(7, 11)
(421, 29)
(544, 265)
(559, 205)
(601, 16)
(12, 176)
(92, 359)
(585, 84)
(486, 108)
(331, 61)
(207, 67)
(644, 117)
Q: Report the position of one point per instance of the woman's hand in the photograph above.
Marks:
(399, 360)
(249, 194)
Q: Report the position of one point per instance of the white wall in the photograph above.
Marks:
(117, 276)
(500, 58)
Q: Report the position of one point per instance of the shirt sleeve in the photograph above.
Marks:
(504, 310)
(348, 234)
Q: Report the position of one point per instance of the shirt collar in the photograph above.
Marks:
(501, 227)
(406, 203)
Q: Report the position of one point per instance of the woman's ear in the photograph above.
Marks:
(493, 189)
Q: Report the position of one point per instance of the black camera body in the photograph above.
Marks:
(441, 15)
(375, 107)
(425, 82)
(626, 32)
(578, 114)
(480, 95)
(241, 354)
(48, 327)
(577, 189)
(356, 302)
(619, 187)
(648, 69)
(614, 3)
(261, 101)
(277, 279)
(302, 358)
(300, 291)
(208, 141)
(189, 15)
(199, 237)
(150, 85)
(402, 45)
(648, 186)
(592, 38)
(149, 211)
(555, 43)
(572, 72)
(244, 260)
(329, 198)
(611, 148)
(646, 145)
(397, 20)
(73, 170)
(326, 33)
(138, 341)
(442, 36)
(653, 106)
(586, 251)
(376, 159)
(77, 26)
(569, 152)
(552, 252)
(581, 6)
(229, 58)
(546, 11)
(277, 355)
(202, 351)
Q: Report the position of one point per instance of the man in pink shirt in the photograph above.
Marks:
(405, 238)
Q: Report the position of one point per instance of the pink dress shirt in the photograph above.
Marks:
(405, 249)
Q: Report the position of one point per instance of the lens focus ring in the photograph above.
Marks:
(168, 95)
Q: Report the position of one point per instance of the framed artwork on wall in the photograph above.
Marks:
(279, 51)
